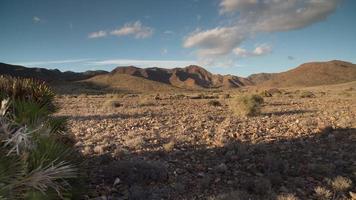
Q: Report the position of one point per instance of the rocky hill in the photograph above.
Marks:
(309, 74)
(191, 77)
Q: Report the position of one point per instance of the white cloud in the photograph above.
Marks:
(136, 29)
(260, 50)
(218, 41)
(36, 19)
(251, 17)
(97, 34)
(145, 63)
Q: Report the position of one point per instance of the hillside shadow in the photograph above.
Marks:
(259, 171)
(78, 88)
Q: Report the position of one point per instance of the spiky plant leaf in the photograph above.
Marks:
(51, 177)
(57, 124)
(29, 113)
(11, 172)
(49, 151)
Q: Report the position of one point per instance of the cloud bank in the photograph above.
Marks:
(251, 17)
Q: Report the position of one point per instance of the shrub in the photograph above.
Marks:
(35, 163)
(214, 103)
(341, 184)
(287, 197)
(168, 147)
(307, 94)
(247, 105)
(322, 193)
(265, 93)
(112, 104)
(28, 90)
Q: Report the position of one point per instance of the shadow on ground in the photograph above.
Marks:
(256, 171)
(289, 112)
(79, 88)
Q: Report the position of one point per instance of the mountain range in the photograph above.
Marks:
(192, 77)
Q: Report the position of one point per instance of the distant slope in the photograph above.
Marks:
(45, 74)
(261, 77)
(126, 82)
(309, 74)
(191, 77)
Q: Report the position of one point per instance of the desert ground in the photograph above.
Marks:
(192, 146)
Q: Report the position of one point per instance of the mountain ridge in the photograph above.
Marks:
(308, 74)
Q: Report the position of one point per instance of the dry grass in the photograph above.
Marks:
(307, 94)
(135, 142)
(322, 193)
(168, 147)
(112, 103)
(214, 103)
(287, 197)
(341, 184)
(249, 105)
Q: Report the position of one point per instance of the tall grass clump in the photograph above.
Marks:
(37, 159)
(248, 105)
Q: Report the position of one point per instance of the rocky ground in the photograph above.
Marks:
(183, 147)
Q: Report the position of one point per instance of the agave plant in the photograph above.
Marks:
(35, 163)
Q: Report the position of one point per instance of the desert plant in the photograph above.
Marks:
(214, 103)
(307, 94)
(265, 93)
(249, 105)
(28, 90)
(35, 163)
(287, 197)
(341, 184)
(112, 104)
(322, 193)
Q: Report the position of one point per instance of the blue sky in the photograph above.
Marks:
(238, 37)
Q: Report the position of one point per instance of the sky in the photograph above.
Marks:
(238, 37)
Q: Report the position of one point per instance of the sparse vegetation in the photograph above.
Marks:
(111, 103)
(341, 184)
(168, 147)
(265, 93)
(287, 197)
(214, 103)
(322, 193)
(307, 94)
(249, 105)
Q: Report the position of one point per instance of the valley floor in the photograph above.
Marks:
(177, 147)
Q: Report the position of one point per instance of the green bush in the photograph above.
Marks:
(35, 162)
(249, 105)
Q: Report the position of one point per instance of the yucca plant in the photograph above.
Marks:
(29, 90)
(35, 162)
